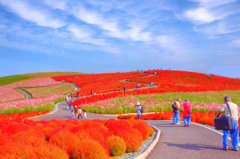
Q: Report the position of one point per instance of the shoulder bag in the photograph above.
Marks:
(224, 122)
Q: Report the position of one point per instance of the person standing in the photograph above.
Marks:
(80, 113)
(176, 111)
(187, 111)
(229, 108)
(139, 110)
(84, 114)
(124, 89)
(75, 112)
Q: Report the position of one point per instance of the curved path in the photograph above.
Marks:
(25, 93)
(176, 142)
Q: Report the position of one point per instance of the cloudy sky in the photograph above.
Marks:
(95, 36)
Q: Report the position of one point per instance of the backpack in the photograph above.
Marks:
(174, 106)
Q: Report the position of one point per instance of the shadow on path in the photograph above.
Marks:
(192, 146)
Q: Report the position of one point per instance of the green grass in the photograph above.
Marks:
(162, 102)
(59, 100)
(26, 109)
(123, 109)
(11, 79)
(15, 78)
(200, 97)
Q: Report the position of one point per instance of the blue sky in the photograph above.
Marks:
(94, 36)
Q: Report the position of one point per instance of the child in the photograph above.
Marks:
(84, 114)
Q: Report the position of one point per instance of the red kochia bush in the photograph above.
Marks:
(66, 140)
(98, 136)
(116, 125)
(132, 138)
(89, 149)
(142, 127)
(15, 150)
(28, 137)
(49, 151)
(117, 145)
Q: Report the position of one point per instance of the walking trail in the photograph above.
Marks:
(176, 142)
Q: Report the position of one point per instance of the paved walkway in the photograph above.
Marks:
(194, 142)
(176, 142)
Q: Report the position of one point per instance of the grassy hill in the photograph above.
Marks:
(15, 78)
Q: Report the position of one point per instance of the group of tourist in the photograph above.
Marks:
(76, 112)
(187, 111)
(227, 109)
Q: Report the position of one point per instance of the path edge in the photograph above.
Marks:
(152, 145)
(52, 112)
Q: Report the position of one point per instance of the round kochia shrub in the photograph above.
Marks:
(65, 140)
(117, 145)
(132, 137)
(142, 127)
(49, 151)
(15, 150)
(89, 149)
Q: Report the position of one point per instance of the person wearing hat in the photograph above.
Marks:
(187, 111)
(139, 110)
(228, 105)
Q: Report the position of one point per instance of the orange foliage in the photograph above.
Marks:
(117, 145)
(66, 140)
(132, 138)
(89, 149)
(142, 127)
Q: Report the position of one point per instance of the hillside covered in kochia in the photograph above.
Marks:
(162, 81)
(152, 81)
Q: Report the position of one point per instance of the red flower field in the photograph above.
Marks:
(103, 138)
(107, 85)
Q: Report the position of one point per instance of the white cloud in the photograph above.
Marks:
(32, 14)
(209, 11)
(172, 45)
(235, 44)
(62, 4)
(109, 26)
(220, 28)
(213, 3)
(85, 36)
(200, 15)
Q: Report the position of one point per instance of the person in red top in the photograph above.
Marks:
(187, 111)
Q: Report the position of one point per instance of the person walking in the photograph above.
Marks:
(187, 111)
(176, 111)
(139, 110)
(75, 112)
(227, 109)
